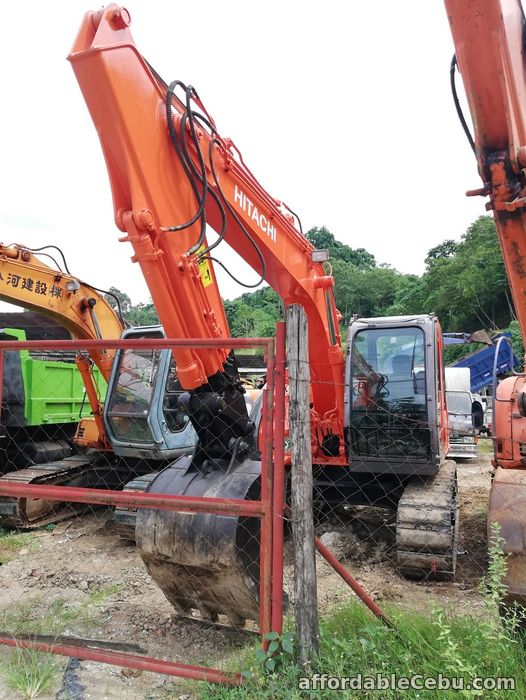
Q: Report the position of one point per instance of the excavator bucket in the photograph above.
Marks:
(202, 561)
(507, 507)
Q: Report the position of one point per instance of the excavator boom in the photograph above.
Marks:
(163, 201)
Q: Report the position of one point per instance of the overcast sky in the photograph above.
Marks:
(341, 109)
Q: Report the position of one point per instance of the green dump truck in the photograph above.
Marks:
(43, 395)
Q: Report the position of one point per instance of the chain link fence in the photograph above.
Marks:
(142, 553)
(103, 563)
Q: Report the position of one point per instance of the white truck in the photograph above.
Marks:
(465, 413)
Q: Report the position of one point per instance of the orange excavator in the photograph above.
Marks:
(378, 418)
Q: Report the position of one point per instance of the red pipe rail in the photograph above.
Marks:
(152, 501)
(126, 660)
(268, 509)
(135, 343)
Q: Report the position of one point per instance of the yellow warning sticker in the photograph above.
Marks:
(204, 268)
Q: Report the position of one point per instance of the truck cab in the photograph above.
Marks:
(465, 413)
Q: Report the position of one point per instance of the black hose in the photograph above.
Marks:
(452, 70)
(175, 142)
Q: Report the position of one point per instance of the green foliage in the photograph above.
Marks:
(30, 672)
(409, 297)
(457, 351)
(323, 239)
(465, 284)
(516, 340)
(142, 315)
(11, 541)
(442, 251)
(279, 653)
(353, 642)
(253, 314)
(364, 291)
(136, 315)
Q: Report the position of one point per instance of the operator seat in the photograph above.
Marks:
(401, 382)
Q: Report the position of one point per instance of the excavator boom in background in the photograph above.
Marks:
(489, 50)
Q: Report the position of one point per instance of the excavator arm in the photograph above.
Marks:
(28, 282)
(172, 175)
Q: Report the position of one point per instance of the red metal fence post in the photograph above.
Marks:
(279, 482)
(267, 420)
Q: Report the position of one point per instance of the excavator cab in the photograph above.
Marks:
(393, 395)
(142, 413)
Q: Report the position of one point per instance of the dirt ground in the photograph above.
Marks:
(80, 580)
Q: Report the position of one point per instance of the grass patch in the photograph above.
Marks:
(11, 541)
(427, 644)
(30, 672)
(485, 445)
(352, 642)
(100, 595)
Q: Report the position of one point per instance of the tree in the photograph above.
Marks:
(117, 299)
(322, 238)
(466, 284)
(409, 297)
(442, 251)
(253, 313)
(143, 315)
(363, 291)
(139, 315)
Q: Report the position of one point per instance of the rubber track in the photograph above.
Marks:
(124, 518)
(17, 512)
(427, 525)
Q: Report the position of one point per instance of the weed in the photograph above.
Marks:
(278, 654)
(30, 672)
(352, 642)
(101, 595)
